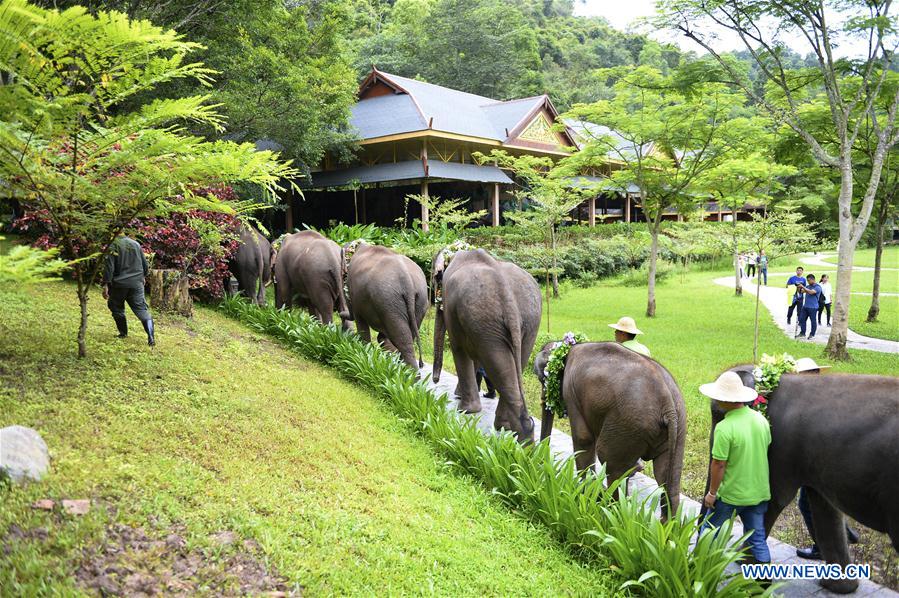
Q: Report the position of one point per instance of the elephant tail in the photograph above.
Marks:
(409, 298)
(675, 460)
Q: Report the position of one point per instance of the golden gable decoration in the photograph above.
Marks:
(540, 130)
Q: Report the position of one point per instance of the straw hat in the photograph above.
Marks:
(728, 388)
(626, 324)
(807, 363)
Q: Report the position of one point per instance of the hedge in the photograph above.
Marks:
(651, 557)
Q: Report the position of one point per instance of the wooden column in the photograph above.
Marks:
(424, 206)
(424, 185)
(288, 215)
(591, 211)
(495, 202)
(627, 208)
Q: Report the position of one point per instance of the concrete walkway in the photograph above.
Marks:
(774, 298)
(643, 485)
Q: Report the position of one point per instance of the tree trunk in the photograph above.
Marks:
(170, 291)
(82, 329)
(653, 258)
(738, 289)
(758, 293)
(547, 303)
(874, 310)
(552, 234)
(839, 332)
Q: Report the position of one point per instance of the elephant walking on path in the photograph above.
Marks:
(251, 264)
(837, 435)
(387, 292)
(491, 311)
(623, 406)
(308, 272)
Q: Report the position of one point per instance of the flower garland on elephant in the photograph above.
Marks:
(448, 253)
(767, 376)
(348, 250)
(555, 370)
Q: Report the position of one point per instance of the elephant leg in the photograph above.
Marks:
(260, 294)
(830, 532)
(283, 294)
(511, 413)
(469, 401)
(400, 337)
(323, 307)
(618, 449)
(583, 442)
(661, 468)
(363, 330)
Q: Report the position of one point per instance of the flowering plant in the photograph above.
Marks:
(447, 253)
(767, 376)
(555, 369)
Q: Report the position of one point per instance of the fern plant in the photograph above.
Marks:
(79, 142)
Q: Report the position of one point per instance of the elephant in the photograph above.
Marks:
(308, 271)
(251, 264)
(623, 406)
(387, 292)
(838, 436)
(491, 311)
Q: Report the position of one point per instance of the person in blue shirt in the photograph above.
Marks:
(797, 280)
(811, 292)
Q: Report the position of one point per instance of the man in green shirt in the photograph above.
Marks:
(739, 469)
(626, 333)
(123, 281)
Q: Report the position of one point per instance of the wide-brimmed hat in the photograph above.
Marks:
(728, 388)
(626, 324)
(805, 364)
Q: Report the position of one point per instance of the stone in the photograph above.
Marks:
(44, 504)
(225, 538)
(23, 454)
(76, 507)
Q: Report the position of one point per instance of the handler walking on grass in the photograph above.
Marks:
(739, 469)
(123, 281)
(626, 333)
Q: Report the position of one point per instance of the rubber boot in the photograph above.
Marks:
(151, 337)
(122, 324)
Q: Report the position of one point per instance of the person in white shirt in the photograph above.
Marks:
(824, 302)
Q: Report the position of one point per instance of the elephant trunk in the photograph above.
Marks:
(675, 461)
(439, 333)
(546, 424)
(342, 308)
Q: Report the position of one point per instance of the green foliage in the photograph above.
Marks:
(79, 143)
(443, 214)
(555, 370)
(639, 277)
(580, 512)
(24, 265)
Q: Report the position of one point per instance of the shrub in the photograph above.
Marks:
(654, 557)
(639, 277)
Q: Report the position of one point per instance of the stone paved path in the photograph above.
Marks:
(774, 298)
(643, 485)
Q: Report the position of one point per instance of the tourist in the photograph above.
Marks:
(826, 298)
(738, 481)
(807, 365)
(741, 262)
(123, 281)
(750, 265)
(811, 292)
(763, 266)
(626, 333)
(797, 281)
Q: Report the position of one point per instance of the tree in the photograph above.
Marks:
(282, 73)
(748, 177)
(887, 209)
(78, 145)
(659, 140)
(484, 47)
(777, 233)
(24, 265)
(850, 87)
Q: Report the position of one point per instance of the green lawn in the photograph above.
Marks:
(220, 429)
(865, 257)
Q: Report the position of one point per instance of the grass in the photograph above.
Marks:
(220, 429)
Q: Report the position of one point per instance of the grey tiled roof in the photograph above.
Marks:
(412, 170)
(452, 111)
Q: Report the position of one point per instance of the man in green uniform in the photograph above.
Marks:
(739, 469)
(123, 281)
(626, 333)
